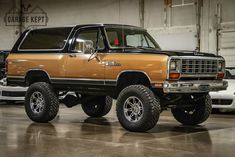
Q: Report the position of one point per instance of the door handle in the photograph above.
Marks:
(72, 55)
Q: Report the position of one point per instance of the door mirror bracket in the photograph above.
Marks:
(94, 55)
(84, 46)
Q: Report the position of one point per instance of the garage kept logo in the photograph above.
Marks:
(29, 17)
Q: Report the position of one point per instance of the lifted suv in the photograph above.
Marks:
(99, 62)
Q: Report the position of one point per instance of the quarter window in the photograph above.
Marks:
(50, 38)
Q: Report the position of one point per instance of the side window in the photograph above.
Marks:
(136, 40)
(113, 38)
(93, 34)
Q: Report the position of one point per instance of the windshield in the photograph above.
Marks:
(130, 38)
(230, 73)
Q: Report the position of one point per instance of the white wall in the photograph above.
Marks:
(8, 35)
(72, 12)
(219, 25)
(90, 11)
(174, 27)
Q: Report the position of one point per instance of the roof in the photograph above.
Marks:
(95, 24)
(110, 25)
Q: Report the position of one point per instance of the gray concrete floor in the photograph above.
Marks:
(73, 134)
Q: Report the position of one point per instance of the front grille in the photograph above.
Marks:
(222, 101)
(199, 66)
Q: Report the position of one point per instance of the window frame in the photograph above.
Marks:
(118, 48)
(143, 36)
(44, 50)
(77, 32)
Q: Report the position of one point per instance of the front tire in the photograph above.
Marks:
(41, 102)
(197, 114)
(98, 107)
(138, 109)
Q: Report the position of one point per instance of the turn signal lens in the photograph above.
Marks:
(158, 84)
(174, 76)
(220, 76)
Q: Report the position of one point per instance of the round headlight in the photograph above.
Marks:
(220, 66)
(173, 65)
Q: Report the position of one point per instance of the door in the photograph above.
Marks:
(79, 67)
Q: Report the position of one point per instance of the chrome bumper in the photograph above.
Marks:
(194, 86)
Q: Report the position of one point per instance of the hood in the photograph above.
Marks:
(188, 53)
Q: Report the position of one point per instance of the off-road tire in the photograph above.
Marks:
(51, 102)
(151, 108)
(98, 107)
(202, 111)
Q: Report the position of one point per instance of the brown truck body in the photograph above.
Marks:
(63, 66)
(99, 62)
(66, 68)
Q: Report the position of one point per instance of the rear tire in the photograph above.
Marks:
(196, 114)
(98, 107)
(41, 102)
(138, 109)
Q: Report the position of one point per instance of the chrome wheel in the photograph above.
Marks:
(189, 111)
(133, 109)
(37, 102)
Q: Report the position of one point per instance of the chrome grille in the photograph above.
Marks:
(199, 66)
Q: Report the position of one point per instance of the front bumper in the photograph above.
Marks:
(197, 86)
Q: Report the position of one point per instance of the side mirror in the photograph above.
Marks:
(85, 46)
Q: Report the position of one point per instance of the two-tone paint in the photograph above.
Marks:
(69, 68)
(77, 67)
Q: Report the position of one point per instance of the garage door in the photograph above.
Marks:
(227, 46)
(172, 24)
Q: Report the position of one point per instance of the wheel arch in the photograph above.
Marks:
(135, 72)
(36, 75)
(126, 78)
